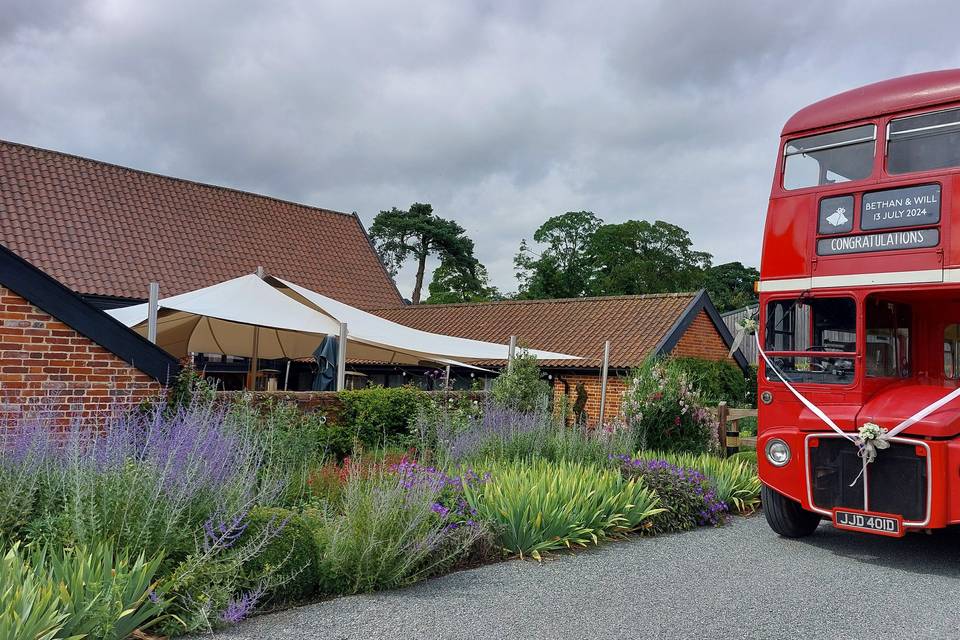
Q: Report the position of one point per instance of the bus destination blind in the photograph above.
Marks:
(907, 207)
(872, 242)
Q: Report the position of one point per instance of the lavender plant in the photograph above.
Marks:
(396, 527)
(734, 479)
(686, 494)
(241, 606)
(148, 480)
(24, 464)
(177, 481)
(501, 432)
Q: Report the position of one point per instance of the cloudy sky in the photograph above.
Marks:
(500, 114)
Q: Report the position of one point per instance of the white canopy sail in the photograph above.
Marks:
(374, 331)
(286, 320)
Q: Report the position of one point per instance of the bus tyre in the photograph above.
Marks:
(786, 516)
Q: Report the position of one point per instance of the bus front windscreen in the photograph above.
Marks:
(809, 339)
(829, 158)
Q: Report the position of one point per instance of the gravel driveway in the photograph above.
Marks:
(739, 581)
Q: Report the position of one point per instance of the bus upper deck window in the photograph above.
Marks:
(828, 158)
(924, 142)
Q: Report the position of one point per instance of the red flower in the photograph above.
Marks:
(676, 421)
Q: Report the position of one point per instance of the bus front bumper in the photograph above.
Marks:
(915, 478)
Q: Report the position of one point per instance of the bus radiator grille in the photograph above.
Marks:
(897, 479)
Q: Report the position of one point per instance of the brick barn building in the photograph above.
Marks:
(638, 327)
(107, 231)
(61, 357)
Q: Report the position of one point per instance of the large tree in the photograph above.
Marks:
(455, 283)
(730, 285)
(583, 256)
(642, 257)
(562, 269)
(418, 233)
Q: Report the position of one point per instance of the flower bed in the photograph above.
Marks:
(215, 510)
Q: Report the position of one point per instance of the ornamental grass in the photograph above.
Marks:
(540, 506)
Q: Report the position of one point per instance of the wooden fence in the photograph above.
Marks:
(728, 428)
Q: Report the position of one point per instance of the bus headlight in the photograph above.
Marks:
(778, 452)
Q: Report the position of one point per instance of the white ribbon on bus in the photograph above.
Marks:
(866, 449)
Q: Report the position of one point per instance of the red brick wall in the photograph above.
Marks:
(46, 366)
(702, 340)
(591, 382)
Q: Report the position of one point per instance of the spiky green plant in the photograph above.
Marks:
(734, 479)
(105, 595)
(540, 506)
(29, 603)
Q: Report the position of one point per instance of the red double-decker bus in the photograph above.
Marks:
(860, 311)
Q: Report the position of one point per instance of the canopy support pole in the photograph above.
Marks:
(252, 373)
(511, 352)
(286, 378)
(446, 383)
(603, 380)
(342, 357)
(153, 306)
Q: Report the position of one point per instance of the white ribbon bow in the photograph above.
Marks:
(872, 438)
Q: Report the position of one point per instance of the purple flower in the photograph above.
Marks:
(711, 510)
(239, 608)
(223, 534)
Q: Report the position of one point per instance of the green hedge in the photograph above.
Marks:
(380, 416)
(718, 381)
(291, 555)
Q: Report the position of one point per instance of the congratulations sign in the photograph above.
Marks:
(872, 242)
(909, 207)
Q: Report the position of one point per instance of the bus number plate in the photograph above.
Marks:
(879, 523)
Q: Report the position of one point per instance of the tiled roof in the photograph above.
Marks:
(107, 230)
(635, 325)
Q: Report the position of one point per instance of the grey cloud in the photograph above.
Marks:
(499, 113)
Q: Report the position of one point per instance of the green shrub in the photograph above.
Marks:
(538, 507)
(223, 580)
(377, 416)
(735, 480)
(296, 443)
(189, 387)
(394, 528)
(103, 593)
(664, 412)
(747, 426)
(291, 555)
(29, 601)
(716, 380)
(520, 386)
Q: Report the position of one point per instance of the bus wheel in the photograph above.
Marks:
(785, 516)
